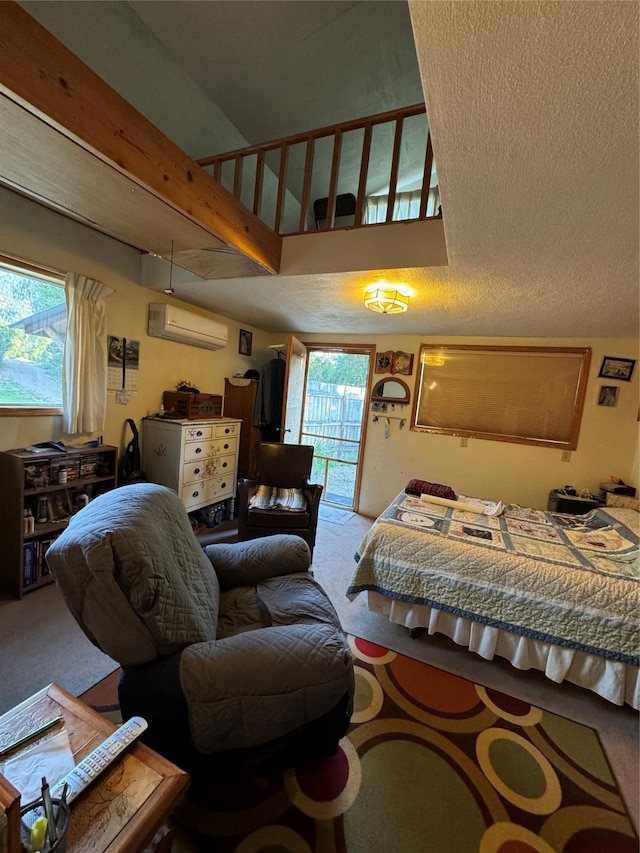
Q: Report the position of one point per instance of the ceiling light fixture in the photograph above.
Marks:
(386, 299)
(169, 290)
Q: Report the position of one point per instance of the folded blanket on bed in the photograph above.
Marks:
(423, 487)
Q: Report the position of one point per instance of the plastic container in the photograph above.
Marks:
(32, 811)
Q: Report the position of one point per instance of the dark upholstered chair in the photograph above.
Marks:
(280, 466)
(231, 653)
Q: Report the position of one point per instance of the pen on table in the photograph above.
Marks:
(34, 733)
(48, 810)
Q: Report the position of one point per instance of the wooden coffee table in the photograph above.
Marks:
(126, 808)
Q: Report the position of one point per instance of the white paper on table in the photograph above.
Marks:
(53, 758)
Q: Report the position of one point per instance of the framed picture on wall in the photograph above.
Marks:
(384, 362)
(608, 395)
(244, 345)
(617, 368)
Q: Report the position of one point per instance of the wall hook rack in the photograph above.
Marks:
(377, 418)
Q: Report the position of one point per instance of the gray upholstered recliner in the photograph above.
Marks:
(232, 651)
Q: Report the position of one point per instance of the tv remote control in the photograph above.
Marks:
(88, 770)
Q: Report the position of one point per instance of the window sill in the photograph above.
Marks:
(29, 411)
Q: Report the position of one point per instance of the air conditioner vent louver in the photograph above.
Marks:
(175, 324)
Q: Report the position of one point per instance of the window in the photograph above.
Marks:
(527, 395)
(33, 320)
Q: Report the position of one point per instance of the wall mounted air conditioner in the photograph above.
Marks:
(176, 324)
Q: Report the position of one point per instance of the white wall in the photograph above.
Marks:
(497, 470)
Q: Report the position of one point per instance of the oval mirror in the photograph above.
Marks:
(390, 390)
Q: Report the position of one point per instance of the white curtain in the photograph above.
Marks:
(406, 206)
(84, 374)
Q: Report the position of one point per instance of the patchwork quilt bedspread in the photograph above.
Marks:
(564, 579)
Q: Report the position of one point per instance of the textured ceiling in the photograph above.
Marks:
(534, 114)
(533, 108)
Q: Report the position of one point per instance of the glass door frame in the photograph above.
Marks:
(347, 349)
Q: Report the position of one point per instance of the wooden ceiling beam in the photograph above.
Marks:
(44, 77)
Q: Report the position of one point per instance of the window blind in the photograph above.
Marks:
(519, 394)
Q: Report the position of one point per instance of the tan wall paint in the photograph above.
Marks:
(496, 470)
(30, 232)
(608, 441)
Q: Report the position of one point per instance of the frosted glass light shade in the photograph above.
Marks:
(386, 300)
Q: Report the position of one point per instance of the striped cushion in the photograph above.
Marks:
(291, 500)
(270, 497)
(264, 498)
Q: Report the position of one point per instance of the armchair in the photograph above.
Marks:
(280, 466)
(232, 651)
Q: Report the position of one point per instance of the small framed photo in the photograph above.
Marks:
(617, 368)
(384, 362)
(244, 345)
(608, 395)
(59, 505)
(403, 363)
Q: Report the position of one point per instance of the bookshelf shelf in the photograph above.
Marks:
(30, 480)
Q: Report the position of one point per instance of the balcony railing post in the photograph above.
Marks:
(426, 178)
(395, 161)
(282, 186)
(364, 171)
(309, 140)
(237, 176)
(306, 186)
(257, 196)
(333, 184)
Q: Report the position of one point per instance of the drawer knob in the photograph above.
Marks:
(199, 433)
(196, 470)
(198, 450)
(223, 485)
(195, 494)
(224, 464)
(226, 447)
(227, 430)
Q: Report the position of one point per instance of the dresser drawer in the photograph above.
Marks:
(196, 451)
(222, 430)
(204, 469)
(208, 491)
(198, 433)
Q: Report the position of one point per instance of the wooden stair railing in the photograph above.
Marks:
(251, 163)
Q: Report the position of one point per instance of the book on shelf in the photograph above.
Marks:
(35, 563)
(30, 563)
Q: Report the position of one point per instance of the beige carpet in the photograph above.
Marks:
(40, 642)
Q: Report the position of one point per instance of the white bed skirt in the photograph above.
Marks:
(618, 682)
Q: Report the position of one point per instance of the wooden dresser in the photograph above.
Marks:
(198, 459)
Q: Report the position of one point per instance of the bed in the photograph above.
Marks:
(553, 592)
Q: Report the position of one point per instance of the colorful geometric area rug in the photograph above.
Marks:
(432, 763)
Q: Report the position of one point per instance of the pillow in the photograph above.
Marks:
(623, 501)
(422, 487)
(264, 498)
(291, 500)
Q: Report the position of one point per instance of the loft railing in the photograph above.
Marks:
(364, 172)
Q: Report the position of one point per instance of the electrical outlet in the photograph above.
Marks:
(463, 441)
(566, 456)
